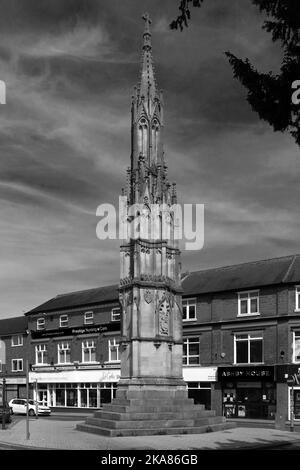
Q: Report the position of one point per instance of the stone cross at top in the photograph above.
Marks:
(147, 19)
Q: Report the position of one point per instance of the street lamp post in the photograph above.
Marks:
(3, 401)
(27, 401)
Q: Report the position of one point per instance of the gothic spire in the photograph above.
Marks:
(147, 88)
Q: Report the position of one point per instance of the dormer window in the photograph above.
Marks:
(248, 303)
(298, 298)
(40, 323)
(116, 314)
(63, 321)
(88, 318)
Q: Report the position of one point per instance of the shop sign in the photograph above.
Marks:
(246, 373)
(80, 330)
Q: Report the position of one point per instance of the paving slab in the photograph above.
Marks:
(58, 434)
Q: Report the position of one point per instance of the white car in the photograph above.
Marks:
(19, 406)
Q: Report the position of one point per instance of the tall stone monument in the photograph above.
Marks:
(151, 397)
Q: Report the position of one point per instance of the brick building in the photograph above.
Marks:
(14, 344)
(241, 329)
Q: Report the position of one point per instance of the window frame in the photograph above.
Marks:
(187, 340)
(63, 350)
(297, 299)
(249, 313)
(89, 347)
(259, 336)
(19, 361)
(44, 350)
(86, 319)
(61, 320)
(191, 301)
(40, 327)
(19, 343)
(295, 332)
(112, 314)
(114, 343)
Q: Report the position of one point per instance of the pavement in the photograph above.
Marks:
(55, 434)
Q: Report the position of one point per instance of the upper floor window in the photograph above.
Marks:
(298, 298)
(115, 314)
(17, 340)
(191, 351)
(41, 354)
(189, 309)
(296, 346)
(63, 353)
(248, 303)
(248, 348)
(63, 321)
(88, 351)
(17, 365)
(88, 318)
(113, 350)
(40, 323)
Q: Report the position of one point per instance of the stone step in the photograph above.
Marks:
(112, 407)
(153, 432)
(141, 424)
(138, 415)
(152, 402)
(152, 394)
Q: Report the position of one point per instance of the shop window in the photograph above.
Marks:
(88, 318)
(0, 366)
(41, 354)
(40, 324)
(248, 348)
(113, 350)
(88, 351)
(63, 321)
(248, 303)
(116, 314)
(298, 298)
(191, 351)
(296, 347)
(189, 309)
(17, 365)
(64, 353)
(17, 340)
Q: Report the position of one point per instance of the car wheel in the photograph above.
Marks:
(11, 411)
(31, 413)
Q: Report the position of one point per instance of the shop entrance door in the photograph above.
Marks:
(297, 404)
(42, 397)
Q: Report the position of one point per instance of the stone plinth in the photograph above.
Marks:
(151, 410)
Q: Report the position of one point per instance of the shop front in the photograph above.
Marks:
(15, 387)
(248, 392)
(290, 395)
(199, 384)
(75, 388)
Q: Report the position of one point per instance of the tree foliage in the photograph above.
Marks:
(270, 95)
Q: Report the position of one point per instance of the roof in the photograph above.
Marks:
(79, 298)
(11, 326)
(243, 276)
(255, 274)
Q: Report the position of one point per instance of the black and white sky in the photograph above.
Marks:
(70, 67)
